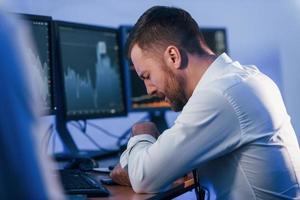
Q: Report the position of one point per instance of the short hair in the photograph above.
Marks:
(161, 26)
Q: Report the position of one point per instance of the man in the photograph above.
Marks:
(233, 128)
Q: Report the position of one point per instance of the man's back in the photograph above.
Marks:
(262, 161)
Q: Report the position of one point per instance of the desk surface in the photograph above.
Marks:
(123, 192)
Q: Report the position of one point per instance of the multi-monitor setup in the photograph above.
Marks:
(84, 67)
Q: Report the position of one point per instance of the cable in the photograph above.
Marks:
(96, 144)
(92, 140)
(46, 134)
(103, 130)
(46, 138)
(49, 139)
(123, 137)
(82, 127)
(126, 135)
(77, 125)
(53, 142)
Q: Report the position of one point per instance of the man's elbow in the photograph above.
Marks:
(143, 189)
(139, 189)
(145, 186)
(142, 186)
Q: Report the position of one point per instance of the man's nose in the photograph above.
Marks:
(151, 89)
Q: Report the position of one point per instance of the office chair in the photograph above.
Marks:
(199, 192)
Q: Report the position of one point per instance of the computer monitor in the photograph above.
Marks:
(41, 57)
(138, 99)
(216, 39)
(89, 77)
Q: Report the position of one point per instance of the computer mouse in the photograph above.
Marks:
(83, 164)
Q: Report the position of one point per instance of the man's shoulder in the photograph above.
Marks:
(233, 75)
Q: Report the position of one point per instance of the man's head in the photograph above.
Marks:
(160, 45)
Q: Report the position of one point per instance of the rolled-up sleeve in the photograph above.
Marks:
(206, 129)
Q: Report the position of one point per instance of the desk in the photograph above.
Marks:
(118, 192)
(123, 192)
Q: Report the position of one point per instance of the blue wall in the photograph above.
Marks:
(264, 33)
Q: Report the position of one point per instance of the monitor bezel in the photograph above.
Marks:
(124, 29)
(217, 29)
(60, 72)
(49, 20)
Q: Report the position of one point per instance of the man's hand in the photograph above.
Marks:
(145, 128)
(120, 176)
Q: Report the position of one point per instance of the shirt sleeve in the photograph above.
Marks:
(143, 138)
(206, 129)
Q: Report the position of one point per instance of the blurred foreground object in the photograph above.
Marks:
(23, 173)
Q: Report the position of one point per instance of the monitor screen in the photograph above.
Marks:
(90, 68)
(216, 39)
(41, 56)
(138, 98)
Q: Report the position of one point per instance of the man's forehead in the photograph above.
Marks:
(136, 52)
(142, 59)
(137, 57)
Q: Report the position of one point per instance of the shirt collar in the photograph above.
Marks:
(214, 70)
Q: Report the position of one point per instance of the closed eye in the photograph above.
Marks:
(144, 76)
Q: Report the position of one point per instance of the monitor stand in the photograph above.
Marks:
(158, 118)
(71, 150)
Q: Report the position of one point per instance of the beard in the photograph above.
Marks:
(174, 91)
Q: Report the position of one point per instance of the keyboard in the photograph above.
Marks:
(78, 182)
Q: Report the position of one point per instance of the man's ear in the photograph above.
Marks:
(172, 57)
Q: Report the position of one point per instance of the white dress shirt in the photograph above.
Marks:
(234, 129)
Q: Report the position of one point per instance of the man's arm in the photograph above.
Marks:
(120, 175)
(206, 129)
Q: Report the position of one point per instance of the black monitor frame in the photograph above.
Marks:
(61, 116)
(28, 18)
(61, 84)
(205, 30)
